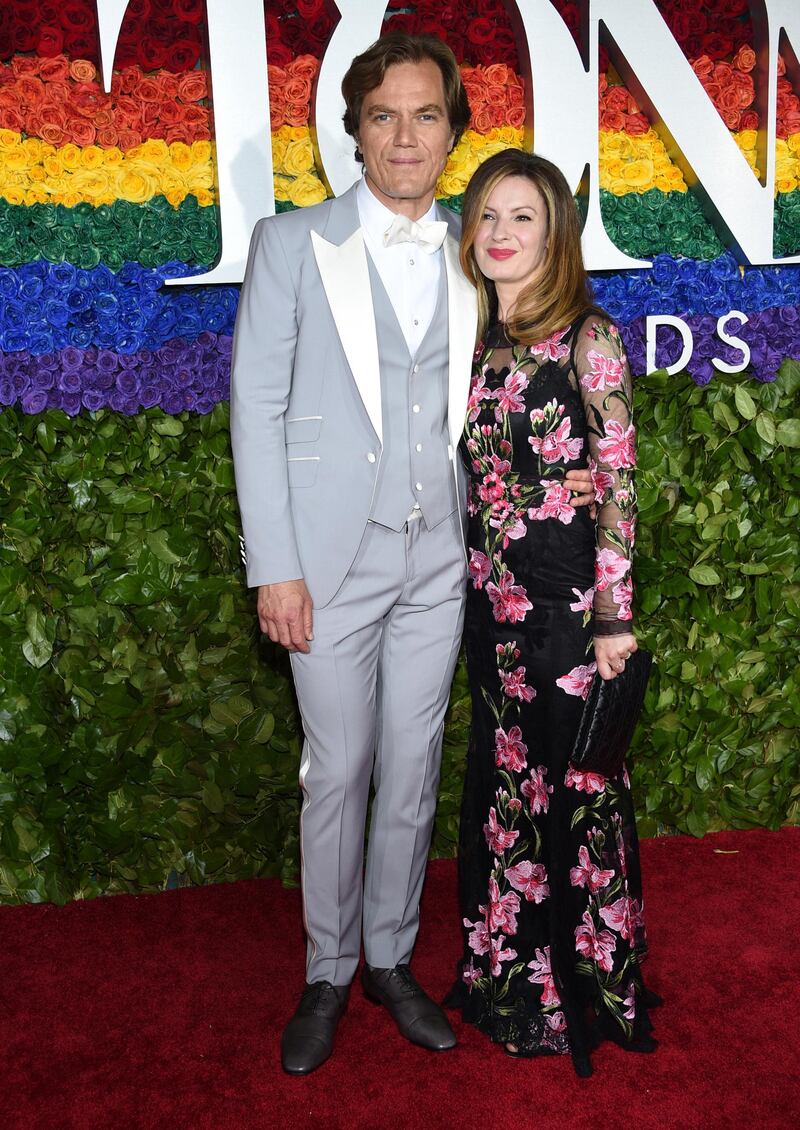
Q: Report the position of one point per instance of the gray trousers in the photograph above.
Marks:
(373, 693)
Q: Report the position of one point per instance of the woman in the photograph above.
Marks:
(549, 868)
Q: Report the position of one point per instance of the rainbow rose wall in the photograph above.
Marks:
(147, 736)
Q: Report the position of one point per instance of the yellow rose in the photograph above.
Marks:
(12, 194)
(8, 138)
(307, 189)
(113, 157)
(71, 198)
(793, 142)
(16, 160)
(94, 185)
(747, 139)
(279, 145)
(203, 153)
(70, 156)
(785, 184)
(134, 186)
(36, 149)
(38, 194)
(181, 155)
(37, 175)
(297, 133)
(204, 197)
(154, 149)
(92, 157)
(175, 196)
(298, 159)
(638, 174)
(281, 186)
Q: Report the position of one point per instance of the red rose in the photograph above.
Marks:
(10, 118)
(750, 120)
(480, 31)
(50, 41)
(612, 120)
(54, 69)
(77, 17)
(184, 54)
(636, 124)
(191, 11)
(193, 86)
(717, 46)
(279, 53)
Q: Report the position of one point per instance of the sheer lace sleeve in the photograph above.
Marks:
(604, 379)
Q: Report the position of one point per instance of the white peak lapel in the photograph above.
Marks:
(462, 314)
(345, 277)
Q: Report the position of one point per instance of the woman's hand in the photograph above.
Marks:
(610, 652)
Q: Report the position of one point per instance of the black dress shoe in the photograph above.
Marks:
(415, 1014)
(308, 1037)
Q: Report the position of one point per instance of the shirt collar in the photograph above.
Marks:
(375, 217)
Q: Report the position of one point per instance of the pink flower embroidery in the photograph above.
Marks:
(557, 445)
(624, 915)
(630, 1002)
(510, 750)
(556, 1022)
(480, 568)
(584, 603)
(530, 879)
(606, 372)
(508, 397)
(514, 685)
(627, 528)
(498, 954)
(497, 837)
(492, 488)
(509, 601)
(584, 782)
(477, 393)
(602, 481)
(617, 449)
(578, 680)
(597, 947)
(470, 974)
(551, 348)
(542, 975)
(555, 504)
(537, 791)
(609, 567)
(588, 874)
(478, 939)
(623, 595)
(502, 910)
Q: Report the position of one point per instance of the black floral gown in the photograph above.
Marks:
(549, 870)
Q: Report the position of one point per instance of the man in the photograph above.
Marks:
(350, 381)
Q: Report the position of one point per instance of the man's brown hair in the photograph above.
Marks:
(368, 70)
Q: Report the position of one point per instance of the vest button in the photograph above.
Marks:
(415, 408)
(419, 447)
(371, 456)
(415, 369)
(417, 486)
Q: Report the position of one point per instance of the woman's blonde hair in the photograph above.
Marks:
(561, 289)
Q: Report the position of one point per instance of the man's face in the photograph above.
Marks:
(405, 136)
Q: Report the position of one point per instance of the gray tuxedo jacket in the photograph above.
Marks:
(306, 418)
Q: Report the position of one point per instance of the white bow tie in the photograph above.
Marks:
(428, 236)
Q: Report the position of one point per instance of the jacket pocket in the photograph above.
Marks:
(302, 470)
(302, 429)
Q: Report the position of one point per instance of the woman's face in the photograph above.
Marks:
(511, 239)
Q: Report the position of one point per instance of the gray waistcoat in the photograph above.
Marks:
(415, 467)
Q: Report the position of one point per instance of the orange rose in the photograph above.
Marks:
(129, 138)
(304, 66)
(617, 99)
(193, 86)
(54, 69)
(107, 137)
(25, 64)
(750, 120)
(104, 117)
(612, 120)
(147, 89)
(497, 74)
(10, 118)
(297, 90)
(51, 133)
(126, 80)
(781, 66)
(30, 90)
(81, 131)
(636, 124)
(516, 96)
(483, 121)
(168, 85)
(703, 67)
(197, 117)
(296, 114)
(516, 117)
(83, 70)
(495, 95)
(745, 58)
(170, 113)
(277, 110)
(731, 118)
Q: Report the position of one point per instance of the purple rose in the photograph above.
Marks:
(34, 402)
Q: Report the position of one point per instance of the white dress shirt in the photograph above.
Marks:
(409, 274)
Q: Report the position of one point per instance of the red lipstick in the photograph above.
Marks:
(501, 252)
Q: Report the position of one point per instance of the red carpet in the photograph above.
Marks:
(165, 1011)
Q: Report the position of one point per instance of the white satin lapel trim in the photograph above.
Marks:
(462, 314)
(345, 277)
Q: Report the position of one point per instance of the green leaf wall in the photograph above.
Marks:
(148, 737)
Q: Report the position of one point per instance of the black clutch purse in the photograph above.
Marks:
(609, 717)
